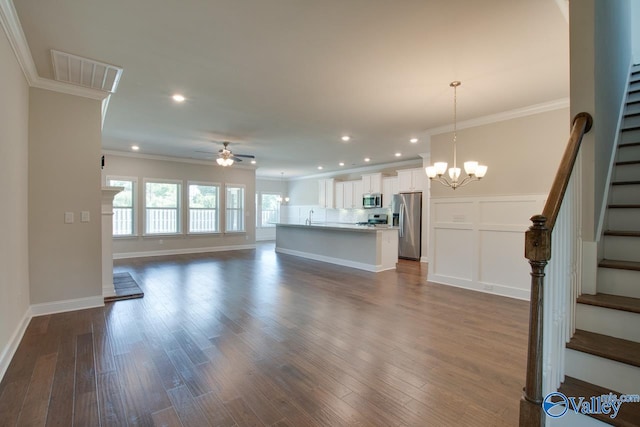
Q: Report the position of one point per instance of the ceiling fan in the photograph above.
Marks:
(226, 156)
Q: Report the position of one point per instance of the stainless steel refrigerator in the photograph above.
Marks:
(407, 215)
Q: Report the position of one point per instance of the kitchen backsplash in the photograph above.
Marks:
(297, 214)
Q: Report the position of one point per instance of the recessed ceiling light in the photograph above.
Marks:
(413, 140)
(341, 163)
(320, 168)
(135, 147)
(398, 154)
(346, 138)
(366, 159)
(253, 162)
(178, 98)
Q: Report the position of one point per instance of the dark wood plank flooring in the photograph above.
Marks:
(254, 338)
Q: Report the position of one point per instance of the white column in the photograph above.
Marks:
(108, 193)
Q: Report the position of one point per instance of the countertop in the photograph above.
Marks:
(340, 226)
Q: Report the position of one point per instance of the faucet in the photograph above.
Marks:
(308, 220)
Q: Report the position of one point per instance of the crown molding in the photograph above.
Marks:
(371, 168)
(557, 104)
(175, 159)
(18, 41)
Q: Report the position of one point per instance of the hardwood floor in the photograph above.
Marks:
(255, 338)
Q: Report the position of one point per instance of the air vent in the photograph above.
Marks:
(85, 72)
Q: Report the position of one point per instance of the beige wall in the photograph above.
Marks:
(522, 154)
(64, 176)
(141, 168)
(14, 263)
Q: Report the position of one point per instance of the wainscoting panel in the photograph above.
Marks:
(478, 243)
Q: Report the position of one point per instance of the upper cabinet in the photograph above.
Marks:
(339, 195)
(357, 194)
(411, 180)
(372, 183)
(326, 193)
(389, 188)
(349, 195)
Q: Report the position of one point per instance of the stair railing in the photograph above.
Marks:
(552, 304)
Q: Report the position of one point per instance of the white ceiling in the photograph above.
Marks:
(284, 79)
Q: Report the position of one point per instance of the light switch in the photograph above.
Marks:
(68, 217)
(85, 216)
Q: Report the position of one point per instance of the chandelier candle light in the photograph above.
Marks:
(474, 171)
(281, 199)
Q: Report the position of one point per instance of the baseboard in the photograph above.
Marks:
(424, 259)
(66, 305)
(487, 288)
(332, 260)
(12, 346)
(127, 255)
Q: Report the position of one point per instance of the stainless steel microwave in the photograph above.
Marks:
(373, 200)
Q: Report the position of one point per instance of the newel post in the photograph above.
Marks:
(537, 250)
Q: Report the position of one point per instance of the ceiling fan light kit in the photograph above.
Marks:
(474, 171)
(227, 158)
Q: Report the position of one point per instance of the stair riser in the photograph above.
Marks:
(633, 97)
(614, 281)
(571, 419)
(623, 219)
(631, 122)
(632, 108)
(606, 321)
(606, 373)
(631, 136)
(627, 173)
(625, 194)
(627, 154)
(622, 248)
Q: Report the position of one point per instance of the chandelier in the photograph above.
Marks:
(473, 170)
(281, 199)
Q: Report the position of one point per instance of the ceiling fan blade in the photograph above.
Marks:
(248, 156)
(236, 159)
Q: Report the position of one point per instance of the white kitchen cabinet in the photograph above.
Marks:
(326, 193)
(357, 194)
(339, 193)
(389, 188)
(411, 180)
(348, 195)
(372, 183)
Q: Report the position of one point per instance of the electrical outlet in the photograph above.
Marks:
(68, 217)
(85, 216)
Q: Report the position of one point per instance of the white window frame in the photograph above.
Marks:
(259, 210)
(226, 208)
(134, 200)
(188, 207)
(180, 185)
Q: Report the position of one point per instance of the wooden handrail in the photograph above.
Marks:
(537, 250)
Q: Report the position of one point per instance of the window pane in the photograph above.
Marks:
(123, 199)
(270, 210)
(161, 195)
(203, 208)
(235, 209)
(162, 208)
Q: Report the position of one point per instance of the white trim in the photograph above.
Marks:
(144, 254)
(332, 260)
(372, 168)
(558, 104)
(159, 157)
(563, 5)
(487, 288)
(424, 259)
(66, 305)
(10, 349)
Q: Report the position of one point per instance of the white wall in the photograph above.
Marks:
(14, 263)
(635, 30)
(140, 167)
(65, 261)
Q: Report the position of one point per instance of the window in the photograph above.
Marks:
(269, 209)
(234, 219)
(124, 220)
(162, 206)
(203, 207)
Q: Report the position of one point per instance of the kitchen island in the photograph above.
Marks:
(363, 247)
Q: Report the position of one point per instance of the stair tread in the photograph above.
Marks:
(620, 265)
(628, 415)
(628, 162)
(612, 348)
(631, 128)
(625, 183)
(615, 302)
(622, 206)
(622, 233)
(629, 144)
